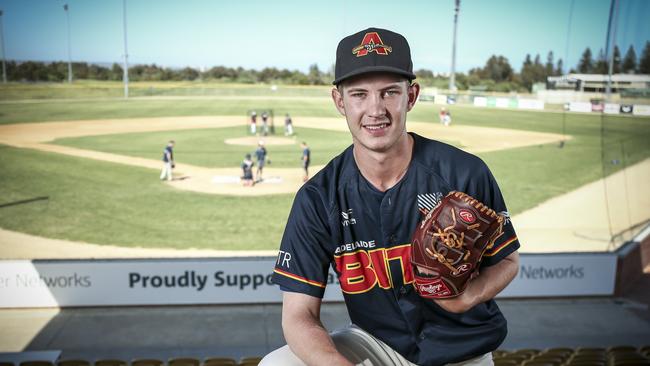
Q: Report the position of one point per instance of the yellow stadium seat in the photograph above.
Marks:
(559, 350)
(219, 361)
(249, 361)
(146, 362)
(590, 350)
(36, 363)
(540, 363)
(640, 362)
(504, 362)
(73, 363)
(110, 362)
(183, 361)
(616, 349)
(586, 363)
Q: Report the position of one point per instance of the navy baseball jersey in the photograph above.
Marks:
(339, 219)
(260, 154)
(168, 154)
(306, 156)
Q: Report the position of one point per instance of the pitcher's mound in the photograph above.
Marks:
(268, 140)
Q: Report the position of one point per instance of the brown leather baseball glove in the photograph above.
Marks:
(447, 246)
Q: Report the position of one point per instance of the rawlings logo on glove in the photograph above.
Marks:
(447, 247)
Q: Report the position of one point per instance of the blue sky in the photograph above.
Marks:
(295, 34)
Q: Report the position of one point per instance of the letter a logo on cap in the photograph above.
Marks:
(371, 43)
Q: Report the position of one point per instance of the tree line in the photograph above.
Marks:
(496, 75)
(34, 71)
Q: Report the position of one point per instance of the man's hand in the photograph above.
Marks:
(490, 281)
(458, 304)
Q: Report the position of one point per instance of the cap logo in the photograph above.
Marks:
(371, 43)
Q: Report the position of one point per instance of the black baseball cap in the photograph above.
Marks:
(373, 50)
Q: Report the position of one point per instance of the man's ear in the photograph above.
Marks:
(413, 92)
(338, 100)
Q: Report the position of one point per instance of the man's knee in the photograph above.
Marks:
(281, 357)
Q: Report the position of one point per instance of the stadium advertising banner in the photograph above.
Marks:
(641, 110)
(580, 107)
(232, 281)
(612, 108)
(531, 104)
(480, 101)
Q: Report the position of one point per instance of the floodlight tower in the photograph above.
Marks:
(2, 39)
(126, 56)
(67, 18)
(452, 77)
(610, 44)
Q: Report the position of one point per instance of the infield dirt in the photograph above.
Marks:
(586, 232)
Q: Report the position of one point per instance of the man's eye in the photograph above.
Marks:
(391, 93)
(357, 95)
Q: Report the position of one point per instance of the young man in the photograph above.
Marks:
(247, 171)
(253, 124)
(168, 161)
(306, 159)
(260, 154)
(288, 125)
(358, 215)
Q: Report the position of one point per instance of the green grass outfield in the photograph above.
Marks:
(107, 203)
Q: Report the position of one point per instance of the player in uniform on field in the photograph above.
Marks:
(358, 215)
(265, 123)
(247, 171)
(168, 161)
(260, 154)
(253, 123)
(288, 125)
(306, 159)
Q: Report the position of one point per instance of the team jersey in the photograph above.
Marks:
(306, 155)
(247, 168)
(339, 219)
(260, 154)
(168, 154)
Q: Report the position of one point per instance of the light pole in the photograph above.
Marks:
(67, 18)
(2, 39)
(609, 46)
(126, 57)
(452, 77)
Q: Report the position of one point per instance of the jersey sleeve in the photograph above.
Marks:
(485, 189)
(303, 261)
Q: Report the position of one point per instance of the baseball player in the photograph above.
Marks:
(306, 159)
(265, 123)
(247, 171)
(288, 125)
(253, 123)
(260, 154)
(358, 215)
(168, 161)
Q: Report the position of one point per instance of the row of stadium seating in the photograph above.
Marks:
(184, 361)
(612, 356)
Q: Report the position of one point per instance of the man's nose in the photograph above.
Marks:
(377, 106)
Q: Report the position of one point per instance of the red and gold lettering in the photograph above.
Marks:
(356, 271)
(361, 271)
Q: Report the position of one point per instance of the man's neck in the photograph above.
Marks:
(384, 170)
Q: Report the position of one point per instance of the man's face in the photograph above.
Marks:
(375, 107)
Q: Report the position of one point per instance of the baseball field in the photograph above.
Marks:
(80, 164)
